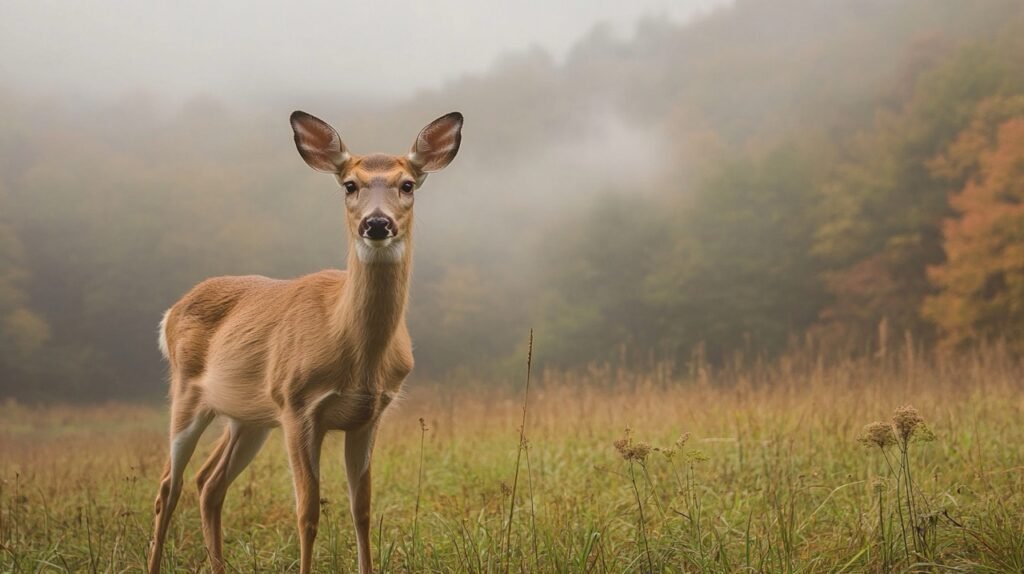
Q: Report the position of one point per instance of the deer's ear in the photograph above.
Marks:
(318, 143)
(437, 143)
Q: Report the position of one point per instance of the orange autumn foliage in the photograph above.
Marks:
(981, 284)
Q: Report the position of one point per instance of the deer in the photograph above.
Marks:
(325, 352)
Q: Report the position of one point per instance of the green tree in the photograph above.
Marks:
(594, 269)
(23, 333)
(739, 274)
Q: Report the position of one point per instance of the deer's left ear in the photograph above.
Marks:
(437, 143)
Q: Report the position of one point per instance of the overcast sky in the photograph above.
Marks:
(368, 47)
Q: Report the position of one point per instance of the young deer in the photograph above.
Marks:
(328, 351)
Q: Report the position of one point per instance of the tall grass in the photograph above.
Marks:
(519, 453)
(755, 466)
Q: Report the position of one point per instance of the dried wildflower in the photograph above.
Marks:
(630, 450)
(878, 484)
(667, 451)
(681, 441)
(641, 450)
(878, 434)
(906, 419)
(696, 455)
(923, 433)
(623, 446)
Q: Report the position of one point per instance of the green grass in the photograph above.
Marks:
(771, 479)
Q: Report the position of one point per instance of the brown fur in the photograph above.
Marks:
(249, 348)
(327, 351)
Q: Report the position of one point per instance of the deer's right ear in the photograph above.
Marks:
(318, 143)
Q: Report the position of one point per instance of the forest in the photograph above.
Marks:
(841, 175)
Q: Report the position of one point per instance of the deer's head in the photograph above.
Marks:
(379, 189)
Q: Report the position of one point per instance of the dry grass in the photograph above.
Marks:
(771, 478)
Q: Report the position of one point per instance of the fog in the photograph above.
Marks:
(253, 52)
(636, 181)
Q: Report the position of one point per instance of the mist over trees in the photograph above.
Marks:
(773, 172)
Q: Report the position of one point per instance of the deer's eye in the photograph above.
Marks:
(407, 186)
(350, 187)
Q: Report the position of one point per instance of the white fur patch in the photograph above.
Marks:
(247, 443)
(311, 410)
(381, 251)
(314, 405)
(162, 336)
(358, 451)
(184, 443)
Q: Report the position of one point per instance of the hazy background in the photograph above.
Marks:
(639, 182)
(258, 52)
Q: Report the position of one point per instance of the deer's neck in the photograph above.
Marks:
(372, 305)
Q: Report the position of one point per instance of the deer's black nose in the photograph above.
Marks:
(378, 227)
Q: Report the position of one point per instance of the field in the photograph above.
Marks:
(754, 467)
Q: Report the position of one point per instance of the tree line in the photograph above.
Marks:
(817, 172)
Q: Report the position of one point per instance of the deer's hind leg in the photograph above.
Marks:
(235, 449)
(188, 421)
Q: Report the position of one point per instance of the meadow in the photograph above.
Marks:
(758, 466)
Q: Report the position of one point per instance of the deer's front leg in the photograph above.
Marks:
(304, 440)
(358, 451)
